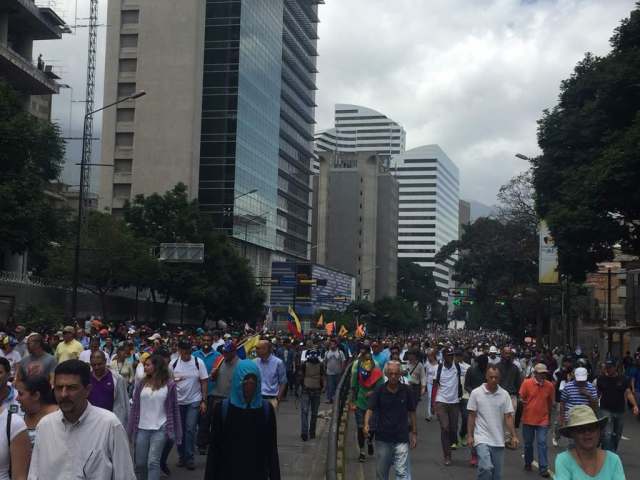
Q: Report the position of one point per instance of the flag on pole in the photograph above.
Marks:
(320, 323)
(330, 328)
(294, 325)
(247, 346)
(343, 331)
(360, 331)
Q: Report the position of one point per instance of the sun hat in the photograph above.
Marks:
(581, 374)
(580, 416)
(155, 336)
(493, 349)
(540, 368)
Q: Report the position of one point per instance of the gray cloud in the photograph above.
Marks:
(470, 75)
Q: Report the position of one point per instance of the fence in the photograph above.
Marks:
(337, 428)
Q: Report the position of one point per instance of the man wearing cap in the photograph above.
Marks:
(447, 401)
(537, 396)
(223, 374)
(577, 392)
(8, 351)
(614, 391)
(494, 359)
(69, 348)
(510, 380)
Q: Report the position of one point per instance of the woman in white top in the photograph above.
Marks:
(19, 449)
(154, 417)
(431, 370)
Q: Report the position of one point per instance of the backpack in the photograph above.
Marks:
(195, 359)
(437, 380)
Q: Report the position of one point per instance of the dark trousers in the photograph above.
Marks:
(464, 415)
(447, 414)
(204, 424)
(309, 404)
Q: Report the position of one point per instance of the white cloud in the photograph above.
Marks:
(470, 75)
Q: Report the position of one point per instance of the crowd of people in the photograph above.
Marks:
(98, 401)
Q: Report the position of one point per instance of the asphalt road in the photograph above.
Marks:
(427, 461)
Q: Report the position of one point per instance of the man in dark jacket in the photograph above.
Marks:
(510, 380)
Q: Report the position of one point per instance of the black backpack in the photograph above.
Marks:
(437, 380)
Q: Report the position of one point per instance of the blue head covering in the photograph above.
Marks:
(244, 368)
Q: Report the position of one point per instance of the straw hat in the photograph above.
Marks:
(580, 416)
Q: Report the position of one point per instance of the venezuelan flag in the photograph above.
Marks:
(295, 328)
(247, 346)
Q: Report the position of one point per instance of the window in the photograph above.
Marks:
(125, 115)
(128, 65)
(122, 165)
(122, 190)
(124, 139)
(128, 40)
(126, 89)
(130, 17)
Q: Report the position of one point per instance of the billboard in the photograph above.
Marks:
(547, 256)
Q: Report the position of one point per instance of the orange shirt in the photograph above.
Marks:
(539, 399)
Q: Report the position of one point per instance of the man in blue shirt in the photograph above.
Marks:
(208, 356)
(273, 373)
(380, 356)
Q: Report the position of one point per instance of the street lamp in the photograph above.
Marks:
(523, 157)
(83, 164)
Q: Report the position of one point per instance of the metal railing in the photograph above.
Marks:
(339, 405)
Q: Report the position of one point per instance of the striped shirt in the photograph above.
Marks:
(571, 396)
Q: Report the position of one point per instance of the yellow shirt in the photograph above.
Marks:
(68, 351)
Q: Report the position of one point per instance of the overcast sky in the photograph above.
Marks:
(470, 75)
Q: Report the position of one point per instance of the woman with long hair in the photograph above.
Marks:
(154, 417)
(36, 398)
(431, 370)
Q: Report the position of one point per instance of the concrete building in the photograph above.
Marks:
(21, 23)
(464, 216)
(355, 220)
(361, 129)
(229, 112)
(428, 206)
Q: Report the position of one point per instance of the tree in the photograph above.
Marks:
(111, 257)
(587, 178)
(31, 155)
(416, 284)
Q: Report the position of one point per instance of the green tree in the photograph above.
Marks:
(587, 178)
(111, 257)
(31, 156)
(416, 284)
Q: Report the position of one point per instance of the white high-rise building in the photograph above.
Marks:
(428, 206)
(361, 129)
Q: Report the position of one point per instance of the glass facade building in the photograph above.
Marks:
(258, 109)
(429, 206)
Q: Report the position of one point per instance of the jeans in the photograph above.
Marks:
(396, 454)
(189, 416)
(612, 431)
(428, 412)
(490, 460)
(166, 450)
(531, 433)
(448, 417)
(148, 449)
(507, 432)
(332, 384)
(309, 403)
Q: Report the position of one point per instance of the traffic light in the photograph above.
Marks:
(303, 281)
(457, 292)
(501, 303)
(457, 301)
(467, 302)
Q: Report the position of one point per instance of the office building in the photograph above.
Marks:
(361, 129)
(355, 220)
(464, 216)
(229, 112)
(428, 207)
(21, 23)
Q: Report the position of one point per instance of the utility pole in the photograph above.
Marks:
(609, 319)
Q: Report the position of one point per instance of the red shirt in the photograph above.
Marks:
(538, 400)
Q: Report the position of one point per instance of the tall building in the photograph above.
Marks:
(464, 216)
(229, 112)
(21, 23)
(361, 129)
(355, 220)
(428, 206)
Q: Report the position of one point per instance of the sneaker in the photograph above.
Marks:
(447, 461)
(304, 437)
(527, 468)
(370, 449)
(454, 446)
(544, 473)
(554, 441)
(362, 458)
(428, 419)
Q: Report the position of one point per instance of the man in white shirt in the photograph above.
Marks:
(94, 346)
(190, 375)
(489, 408)
(8, 351)
(79, 440)
(447, 402)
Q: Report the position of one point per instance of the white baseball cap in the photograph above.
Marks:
(493, 349)
(581, 374)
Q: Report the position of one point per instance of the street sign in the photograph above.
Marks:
(181, 252)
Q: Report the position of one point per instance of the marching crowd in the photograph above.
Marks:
(112, 402)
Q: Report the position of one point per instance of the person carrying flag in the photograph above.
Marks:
(366, 378)
(209, 357)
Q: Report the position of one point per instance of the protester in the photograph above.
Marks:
(448, 391)
(475, 377)
(537, 396)
(37, 362)
(396, 428)
(100, 446)
(37, 401)
(122, 364)
(431, 369)
(464, 368)
(108, 389)
(209, 357)
(69, 348)
(272, 372)
(365, 380)
(510, 380)
(190, 375)
(94, 346)
(244, 440)
(223, 374)
(15, 447)
(586, 460)
(414, 375)
(490, 407)
(8, 394)
(334, 361)
(312, 384)
(20, 334)
(577, 392)
(8, 351)
(155, 416)
(614, 391)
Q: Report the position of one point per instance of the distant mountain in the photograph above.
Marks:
(479, 209)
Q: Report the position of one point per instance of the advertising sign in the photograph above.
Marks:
(547, 256)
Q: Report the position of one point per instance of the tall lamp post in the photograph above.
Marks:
(83, 165)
